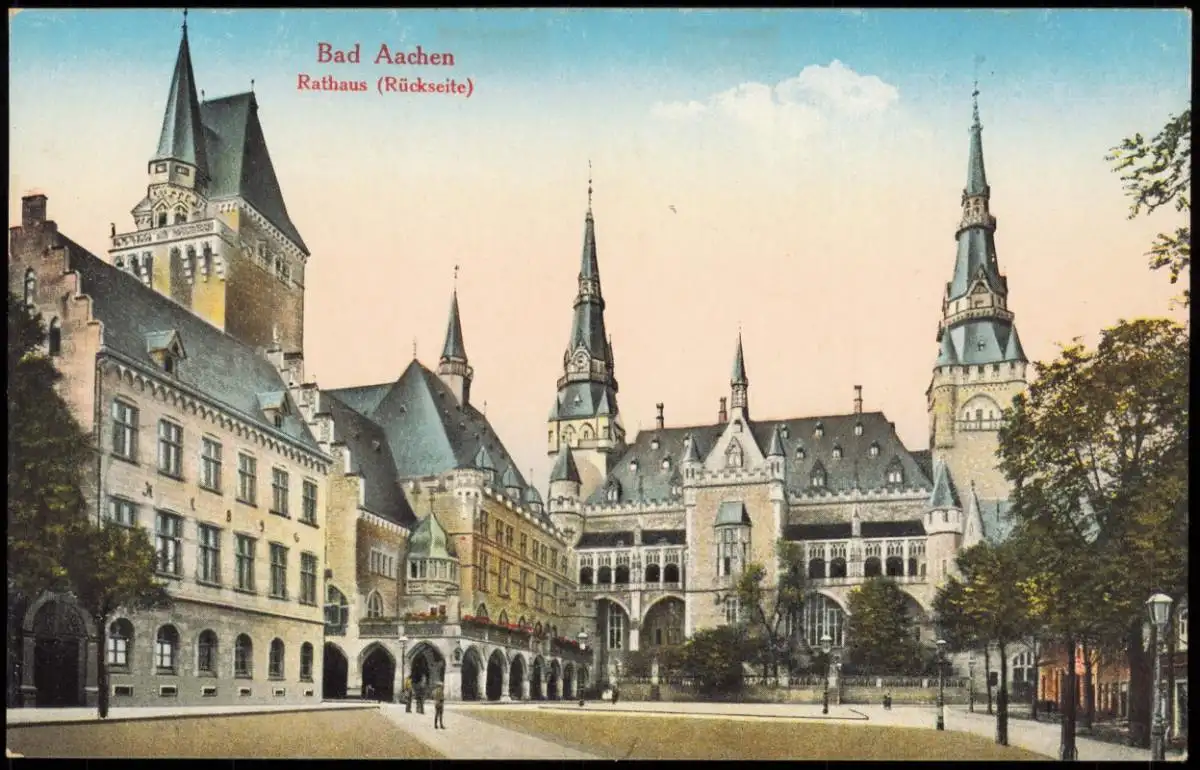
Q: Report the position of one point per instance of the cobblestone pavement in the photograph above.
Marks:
(468, 738)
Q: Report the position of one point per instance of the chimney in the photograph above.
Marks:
(858, 399)
(33, 210)
(722, 416)
(658, 421)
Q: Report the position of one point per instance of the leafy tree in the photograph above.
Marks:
(1097, 451)
(47, 453)
(882, 633)
(1158, 173)
(713, 657)
(112, 567)
(767, 608)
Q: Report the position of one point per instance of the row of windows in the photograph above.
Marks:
(167, 652)
(170, 463)
(502, 534)
(482, 612)
(168, 544)
(543, 598)
(621, 575)
(381, 563)
(433, 569)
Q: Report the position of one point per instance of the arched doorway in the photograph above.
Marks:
(495, 675)
(472, 668)
(663, 623)
(59, 645)
(426, 666)
(552, 682)
(334, 671)
(535, 683)
(568, 678)
(379, 674)
(516, 678)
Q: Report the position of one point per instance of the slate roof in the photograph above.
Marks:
(426, 430)
(944, 494)
(587, 326)
(843, 530)
(583, 399)
(604, 540)
(371, 458)
(976, 176)
(218, 365)
(797, 433)
(836, 531)
(980, 341)
(239, 163)
(564, 466)
(909, 528)
(182, 137)
(738, 377)
(453, 347)
(997, 521)
(924, 460)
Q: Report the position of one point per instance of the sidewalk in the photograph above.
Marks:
(469, 738)
(50, 716)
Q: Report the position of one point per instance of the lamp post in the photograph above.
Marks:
(1159, 608)
(827, 648)
(582, 636)
(403, 654)
(941, 699)
(971, 681)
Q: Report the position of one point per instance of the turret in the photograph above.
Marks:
(943, 524)
(511, 484)
(483, 461)
(453, 368)
(739, 384)
(181, 159)
(565, 494)
(776, 454)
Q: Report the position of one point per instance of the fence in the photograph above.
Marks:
(802, 688)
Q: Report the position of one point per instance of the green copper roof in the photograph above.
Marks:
(980, 341)
(587, 325)
(182, 137)
(532, 496)
(454, 348)
(944, 494)
(429, 541)
(509, 480)
(564, 466)
(483, 460)
(976, 177)
(240, 163)
(739, 365)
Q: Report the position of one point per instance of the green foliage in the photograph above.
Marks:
(713, 657)
(882, 634)
(638, 663)
(47, 454)
(1158, 173)
(111, 568)
(768, 600)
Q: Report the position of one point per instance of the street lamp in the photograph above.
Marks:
(941, 700)
(971, 681)
(582, 636)
(1159, 608)
(403, 654)
(827, 648)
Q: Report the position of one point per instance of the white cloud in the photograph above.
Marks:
(797, 106)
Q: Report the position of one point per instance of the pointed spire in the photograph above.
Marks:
(453, 349)
(1013, 350)
(182, 136)
(739, 364)
(483, 459)
(693, 451)
(564, 466)
(944, 494)
(976, 177)
(776, 448)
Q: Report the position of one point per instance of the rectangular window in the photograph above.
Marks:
(125, 430)
(247, 479)
(279, 491)
(278, 571)
(508, 537)
(309, 513)
(732, 610)
(210, 464)
(210, 554)
(168, 536)
(118, 650)
(499, 532)
(245, 562)
(308, 578)
(170, 449)
(524, 587)
(554, 558)
(121, 511)
(504, 579)
(483, 522)
(524, 546)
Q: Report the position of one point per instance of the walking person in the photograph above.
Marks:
(408, 695)
(421, 697)
(439, 707)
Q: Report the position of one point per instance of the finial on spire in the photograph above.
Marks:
(456, 278)
(185, 19)
(251, 85)
(589, 184)
(979, 59)
(414, 348)
(201, 94)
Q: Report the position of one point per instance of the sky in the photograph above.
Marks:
(795, 174)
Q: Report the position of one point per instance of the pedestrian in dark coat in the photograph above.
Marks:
(420, 697)
(439, 707)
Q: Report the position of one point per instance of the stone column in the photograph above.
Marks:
(505, 697)
(906, 557)
(481, 682)
(825, 560)
(353, 677)
(526, 684)
(453, 683)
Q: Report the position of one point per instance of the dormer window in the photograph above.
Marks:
(874, 450)
(818, 479)
(895, 476)
(278, 419)
(837, 453)
(633, 466)
(166, 349)
(168, 363)
(819, 430)
(785, 432)
(858, 429)
(274, 407)
(800, 453)
(666, 464)
(654, 443)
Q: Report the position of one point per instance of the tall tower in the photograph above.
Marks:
(739, 386)
(584, 415)
(453, 368)
(980, 365)
(212, 232)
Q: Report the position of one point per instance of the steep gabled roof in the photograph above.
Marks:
(182, 137)
(371, 458)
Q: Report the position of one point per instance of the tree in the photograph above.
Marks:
(47, 453)
(882, 634)
(713, 657)
(1097, 451)
(112, 567)
(768, 609)
(1158, 173)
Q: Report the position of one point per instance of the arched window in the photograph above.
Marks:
(206, 653)
(874, 450)
(481, 611)
(822, 615)
(306, 662)
(872, 567)
(30, 287)
(616, 627)
(166, 649)
(537, 628)
(585, 576)
(337, 609)
(837, 453)
(180, 215)
(894, 566)
(837, 567)
(275, 662)
(653, 573)
(54, 338)
(521, 621)
(120, 641)
(504, 617)
(819, 430)
(161, 217)
(733, 455)
(671, 573)
(816, 568)
(243, 657)
(374, 605)
(605, 576)
(621, 575)
(895, 475)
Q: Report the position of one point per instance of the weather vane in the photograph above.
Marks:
(414, 348)
(589, 183)
(456, 277)
(185, 19)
